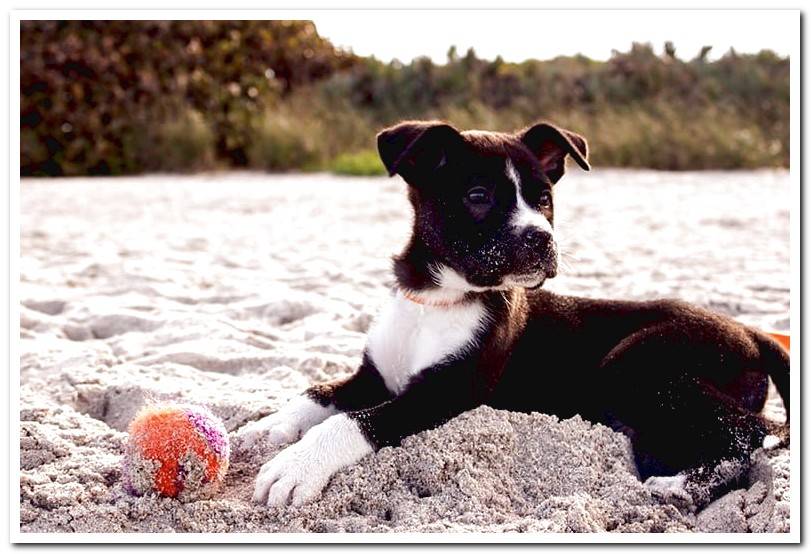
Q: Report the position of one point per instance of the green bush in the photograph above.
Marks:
(184, 143)
(282, 142)
(365, 163)
(92, 91)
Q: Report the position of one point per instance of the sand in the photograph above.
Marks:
(237, 291)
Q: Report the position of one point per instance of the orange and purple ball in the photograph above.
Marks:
(179, 451)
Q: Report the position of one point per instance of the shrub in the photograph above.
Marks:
(91, 90)
(281, 141)
(181, 144)
(364, 163)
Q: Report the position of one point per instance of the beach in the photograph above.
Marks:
(239, 290)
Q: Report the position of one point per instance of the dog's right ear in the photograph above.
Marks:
(416, 149)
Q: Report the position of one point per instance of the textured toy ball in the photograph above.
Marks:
(179, 451)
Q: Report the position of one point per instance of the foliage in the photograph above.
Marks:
(638, 109)
(125, 97)
(364, 163)
(282, 141)
(184, 143)
(91, 90)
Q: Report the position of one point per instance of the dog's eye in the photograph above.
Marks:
(545, 199)
(478, 195)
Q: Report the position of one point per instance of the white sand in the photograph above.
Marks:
(238, 291)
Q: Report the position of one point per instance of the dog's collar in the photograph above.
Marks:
(414, 297)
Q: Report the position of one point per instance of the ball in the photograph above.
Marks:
(179, 451)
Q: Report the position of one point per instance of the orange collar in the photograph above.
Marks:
(413, 297)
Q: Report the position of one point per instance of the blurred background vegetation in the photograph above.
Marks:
(124, 97)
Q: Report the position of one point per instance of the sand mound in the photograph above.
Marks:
(486, 470)
(153, 292)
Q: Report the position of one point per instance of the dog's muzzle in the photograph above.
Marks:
(537, 253)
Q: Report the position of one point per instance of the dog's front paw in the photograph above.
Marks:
(292, 477)
(284, 426)
(275, 428)
(300, 472)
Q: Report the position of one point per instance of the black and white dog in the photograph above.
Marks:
(468, 325)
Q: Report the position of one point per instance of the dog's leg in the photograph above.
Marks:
(299, 473)
(363, 389)
(691, 440)
(708, 439)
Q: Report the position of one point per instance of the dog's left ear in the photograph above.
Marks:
(551, 144)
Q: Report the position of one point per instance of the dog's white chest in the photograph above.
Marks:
(406, 337)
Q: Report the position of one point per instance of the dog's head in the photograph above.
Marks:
(483, 202)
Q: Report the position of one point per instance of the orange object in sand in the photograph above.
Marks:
(783, 338)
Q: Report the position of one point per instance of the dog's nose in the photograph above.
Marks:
(536, 238)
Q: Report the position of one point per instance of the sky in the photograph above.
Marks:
(519, 35)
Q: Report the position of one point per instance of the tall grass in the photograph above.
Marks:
(652, 136)
(365, 163)
(282, 141)
(184, 143)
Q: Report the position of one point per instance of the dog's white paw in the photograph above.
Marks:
(301, 471)
(286, 425)
(670, 490)
(670, 483)
(274, 428)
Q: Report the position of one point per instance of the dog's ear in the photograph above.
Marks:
(415, 149)
(551, 144)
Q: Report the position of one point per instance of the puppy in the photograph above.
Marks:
(468, 325)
